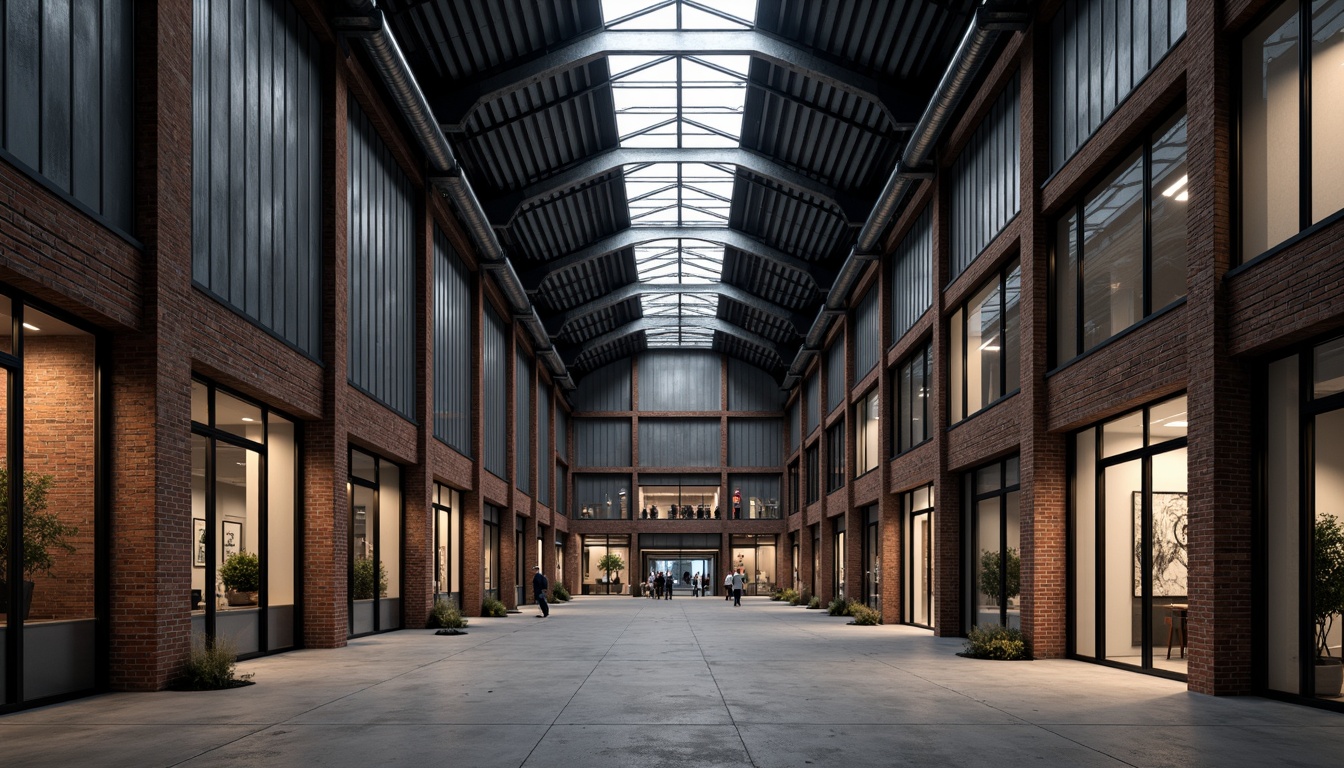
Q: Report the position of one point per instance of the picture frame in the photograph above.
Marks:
(1170, 563)
(198, 537)
(232, 542)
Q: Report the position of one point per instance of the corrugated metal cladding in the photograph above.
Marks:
(835, 375)
(605, 389)
(381, 268)
(67, 98)
(494, 364)
(602, 442)
(752, 389)
(763, 487)
(1101, 49)
(867, 334)
(755, 442)
(912, 276)
(985, 181)
(522, 419)
(795, 425)
(257, 166)
(452, 346)
(679, 443)
(683, 480)
(562, 433)
(561, 489)
(813, 410)
(680, 381)
(545, 455)
(680, 541)
(597, 490)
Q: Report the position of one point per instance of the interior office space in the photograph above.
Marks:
(981, 313)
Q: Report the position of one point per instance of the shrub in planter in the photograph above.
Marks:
(211, 667)
(493, 607)
(241, 576)
(560, 594)
(788, 595)
(43, 535)
(445, 615)
(364, 579)
(1327, 600)
(814, 603)
(839, 607)
(864, 615)
(801, 598)
(996, 642)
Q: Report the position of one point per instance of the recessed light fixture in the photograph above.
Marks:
(1178, 190)
(1178, 424)
(248, 418)
(31, 327)
(989, 345)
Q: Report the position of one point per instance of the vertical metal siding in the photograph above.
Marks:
(795, 425)
(545, 454)
(602, 442)
(452, 346)
(257, 167)
(1101, 50)
(494, 364)
(912, 277)
(752, 389)
(813, 408)
(679, 443)
(835, 375)
(562, 433)
(868, 334)
(755, 442)
(985, 181)
(680, 381)
(606, 389)
(522, 419)
(67, 98)
(381, 268)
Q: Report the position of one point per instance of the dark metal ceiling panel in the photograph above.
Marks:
(908, 39)
(772, 327)
(604, 320)
(535, 131)
(458, 39)
(571, 219)
(787, 287)
(799, 225)
(748, 352)
(584, 282)
(621, 347)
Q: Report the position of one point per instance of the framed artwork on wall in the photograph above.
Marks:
(233, 538)
(1169, 544)
(198, 536)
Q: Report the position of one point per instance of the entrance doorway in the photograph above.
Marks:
(682, 564)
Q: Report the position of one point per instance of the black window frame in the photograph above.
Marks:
(835, 457)
(923, 355)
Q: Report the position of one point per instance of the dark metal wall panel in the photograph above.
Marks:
(494, 364)
(755, 442)
(912, 276)
(602, 442)
(813, 409)
(381, 269)
(985, 181)
(679, 443)
(1100, 50)
(67, 98)
(752, 389)
(561, 487)
(835, 375)
(545, 452)
(522, 419)
(597, 490)
(606, 389)
(257, 178)
(452, 346)
(867, 334)
(562, 433)
(686, 380)
(795, 425)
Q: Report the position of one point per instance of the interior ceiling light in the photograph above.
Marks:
(31, 327)
(1178, 190)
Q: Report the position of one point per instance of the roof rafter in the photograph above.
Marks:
(572, 352)
(556, 324)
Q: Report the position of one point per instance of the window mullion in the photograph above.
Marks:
(1304, 115)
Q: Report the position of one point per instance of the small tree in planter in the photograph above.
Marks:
(611, 562)
(365, 579)
(43, 534)
(1327, 600)
(241, 576)
(990, 563)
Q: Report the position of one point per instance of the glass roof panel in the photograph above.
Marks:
(679, 14)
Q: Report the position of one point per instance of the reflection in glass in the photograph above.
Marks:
(1328, 368)
(1113, 254)
(1268, 132)
(1170, 196)
(1327, 108)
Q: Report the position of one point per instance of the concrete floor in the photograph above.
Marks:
(612, 681)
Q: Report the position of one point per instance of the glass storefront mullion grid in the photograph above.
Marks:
(914, 559)
(371, 520)
(973, 533)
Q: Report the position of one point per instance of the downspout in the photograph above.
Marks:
(370, 27)
(986, 26)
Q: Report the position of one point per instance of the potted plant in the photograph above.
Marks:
(990, 563)
(365, 579)
(241, 576)
(611, 562)
(1327, 601)
(43, 535)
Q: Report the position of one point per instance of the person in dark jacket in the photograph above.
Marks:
(539, 586)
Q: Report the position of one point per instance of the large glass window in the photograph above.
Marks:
(1292, 164)
(448, 544)
(491, 575)
(244, 521)
(838, 556)
(994, 560)
(917, 511)
(375, 544)
(912, 402)
(866, 434)
(813, 473)
(835, 457)
(597, 579)
(872, 558)
(1129, 539)
(49, 505)
(755, 555)
(1304, 542)
(1120, 255)
(984, 364)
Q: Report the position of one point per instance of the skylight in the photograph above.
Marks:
(678, 14)
(679, 101)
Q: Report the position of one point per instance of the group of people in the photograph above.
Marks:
(732, 586)
(659, 584)
(684, 512)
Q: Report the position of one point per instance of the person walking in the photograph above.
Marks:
(658, 583)
(704, 585)
(728, 587)
(667, 587)
(539, 586)
(695, 586)
(737, 588)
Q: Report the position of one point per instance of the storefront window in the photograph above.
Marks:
(375, 544)
(917, 511)
(872, 558)
(838, 556)
(597, 578)
(995, 558)
(490, 559)
(755, 555)
(448, 544)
